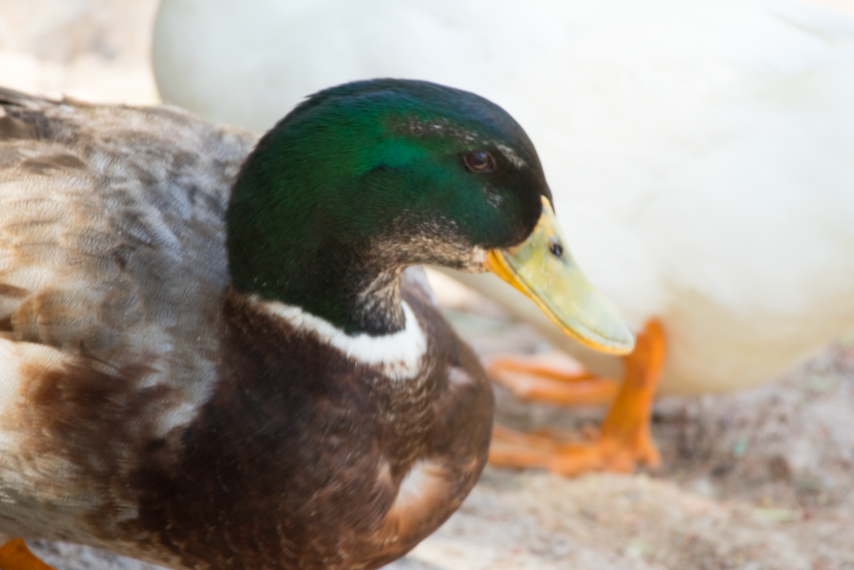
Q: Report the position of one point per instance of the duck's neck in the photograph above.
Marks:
(356, 301)
(354, 292)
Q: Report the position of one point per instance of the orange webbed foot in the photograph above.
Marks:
(14, 555)
(553, 379)
(624, 441)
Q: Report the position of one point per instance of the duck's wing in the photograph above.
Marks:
(111, 233)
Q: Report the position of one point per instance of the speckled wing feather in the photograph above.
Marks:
(111, 233)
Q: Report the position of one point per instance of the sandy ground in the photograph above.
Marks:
(757, 480)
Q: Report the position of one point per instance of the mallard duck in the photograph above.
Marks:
(214, 360)
(700, 151)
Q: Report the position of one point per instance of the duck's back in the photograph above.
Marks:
(112, 274)
(111, 230)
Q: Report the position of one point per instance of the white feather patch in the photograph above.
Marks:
(399, 355)
(459, 377)
(425, 482)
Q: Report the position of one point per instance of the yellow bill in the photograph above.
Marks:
(542, 268)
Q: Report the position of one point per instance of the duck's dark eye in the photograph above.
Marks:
(556, 249)
(479, 161)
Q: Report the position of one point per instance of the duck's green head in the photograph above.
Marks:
(364, 179)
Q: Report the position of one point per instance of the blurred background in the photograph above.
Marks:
(753, 480)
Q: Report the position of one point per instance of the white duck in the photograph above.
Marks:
(701, 153)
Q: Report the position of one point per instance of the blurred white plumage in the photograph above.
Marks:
(701, 152)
